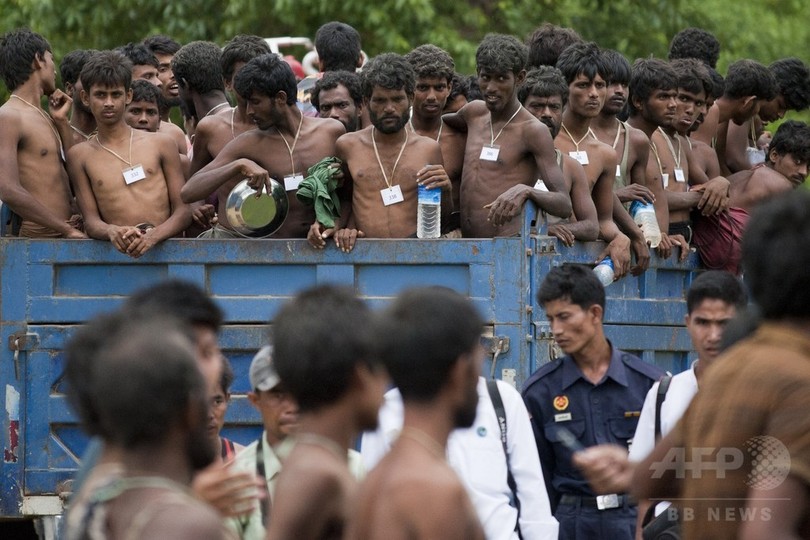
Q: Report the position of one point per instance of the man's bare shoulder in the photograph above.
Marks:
(474, 109)
(349, 140)
(156, 140)
(210, 124)
(330, 125)
(11, 122)
(189, 521)
(79, 152)
(637, 137)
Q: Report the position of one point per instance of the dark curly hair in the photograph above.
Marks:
(431, 61)
(390, 71)
(500, 53)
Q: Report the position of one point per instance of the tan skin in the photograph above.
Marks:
(261, 154)
(493, 192)
(111, 208)
(781, 173)
(413, 492)
(33, 180)
(584, 224)
(738, 137)
(714, 130)
(585, 100)
(708, 196)
(429, 100)
(315, 490)
(365, 215)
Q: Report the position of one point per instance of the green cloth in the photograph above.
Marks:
(318, 190)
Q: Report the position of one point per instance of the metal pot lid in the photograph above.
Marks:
(256, 217)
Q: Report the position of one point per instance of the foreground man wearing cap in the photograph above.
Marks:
(279, 417)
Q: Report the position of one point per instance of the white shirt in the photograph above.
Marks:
(477, 455)
(682, 389)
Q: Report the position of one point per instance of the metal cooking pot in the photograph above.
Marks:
(256, 217)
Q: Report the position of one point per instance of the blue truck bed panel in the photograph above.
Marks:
(49, 287)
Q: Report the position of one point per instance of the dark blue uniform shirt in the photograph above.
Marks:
(558, 394)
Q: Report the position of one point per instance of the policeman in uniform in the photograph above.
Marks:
(592, 395)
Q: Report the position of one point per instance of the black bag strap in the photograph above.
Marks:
(663, 388)
(500, 413)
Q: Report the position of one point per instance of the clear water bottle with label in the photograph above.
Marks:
(644, 216)
(604, 271)
(428, 213)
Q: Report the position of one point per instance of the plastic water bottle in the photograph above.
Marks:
(644, 216)
(604, 271)
(428, 212)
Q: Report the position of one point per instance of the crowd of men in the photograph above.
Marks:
(573, 127)
(578, 130)
(446, 453)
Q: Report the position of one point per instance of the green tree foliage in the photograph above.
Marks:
(764, 30)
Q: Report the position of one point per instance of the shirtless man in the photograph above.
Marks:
(413, 492)
(631, 145)
(284, 147)
(585, 71)
(81, 119)
(703, 154)
(219, 128)
(143, 112)
(507, 149)
(793, 79)
(145, 66)
(747, 85)
(544, 93)
(164, 48)
(653, 104)
(786, 166)
(160, 442)
(33, 181)
(339, 95)
(127, 181)
(434, 69)
(315, 489)
(383, 165)
(198, 73)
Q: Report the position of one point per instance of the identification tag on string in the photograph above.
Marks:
(392, 195)
(540, 185)
(292, 181)
(490, 152)
(679, 176)
(133, 174)
(618, 171)
(581, 156)
(665, 179)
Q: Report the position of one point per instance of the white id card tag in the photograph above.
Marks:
(581, 156)
(292, 181)
(133, 174)
(618, 171)
(679, 177)
(665, 179)
(540, 185)
(490, 153)
(392, 195)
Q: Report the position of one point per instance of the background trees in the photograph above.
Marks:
(764, 30)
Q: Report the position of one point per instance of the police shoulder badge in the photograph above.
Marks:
(561, 403)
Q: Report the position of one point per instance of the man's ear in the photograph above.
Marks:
(69, 89)
(520, 77)
(281, 97)
(85, 98)
(129, 96)
(596, 311)
(748, 103)
(637, 103)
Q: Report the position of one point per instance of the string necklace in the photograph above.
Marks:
(324, 442)
(379, 161)
(618, 132)
(215, 107)
(47, 119)
(291, 149)
(441, 126)
(672, 148)
(654, 148)
(492, 136)
(424, 440)
(82, 133)
(116, 154)
(577, 143)
(233, 132)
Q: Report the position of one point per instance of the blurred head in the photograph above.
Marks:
(547, 42)
(695, 43)
(775, 255)
(275, 404)
(428, 339)
(338, 47)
